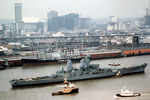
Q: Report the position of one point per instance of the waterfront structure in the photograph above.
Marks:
(52, 21)
(18, 18)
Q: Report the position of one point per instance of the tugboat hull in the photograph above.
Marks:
(76, 90)
(132, 95)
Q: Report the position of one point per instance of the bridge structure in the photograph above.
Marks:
(60, 42)
(60, 39)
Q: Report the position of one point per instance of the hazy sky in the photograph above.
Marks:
(87, 8)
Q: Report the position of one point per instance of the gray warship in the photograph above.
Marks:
(86, 71)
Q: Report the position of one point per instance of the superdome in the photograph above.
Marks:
(32, 20)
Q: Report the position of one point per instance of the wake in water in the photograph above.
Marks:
(142, 94)
(148, 93)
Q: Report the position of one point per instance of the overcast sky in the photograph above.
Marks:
(86, 8)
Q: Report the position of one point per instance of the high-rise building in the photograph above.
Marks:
(68, 22)
(18, 18)
(147, 18)
(62, 23)
(82, 23)
(52, 21)
(70, 18)
(2, 30)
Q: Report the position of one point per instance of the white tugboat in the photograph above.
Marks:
(127, 93)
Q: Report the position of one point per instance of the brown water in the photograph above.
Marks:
(95, 89)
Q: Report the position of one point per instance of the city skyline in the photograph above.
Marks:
(88, 8)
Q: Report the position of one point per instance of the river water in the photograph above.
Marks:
(95, 89)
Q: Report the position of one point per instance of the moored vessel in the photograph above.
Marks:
(35, 61)
(40, 58)
(103, 54)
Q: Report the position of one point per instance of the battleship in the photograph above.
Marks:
(85, 71)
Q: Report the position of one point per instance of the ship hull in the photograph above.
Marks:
(105, 55)
(59, 80)
(123, 71)
(2, 63)
(15, 62)
(76, 59)
(33, 62)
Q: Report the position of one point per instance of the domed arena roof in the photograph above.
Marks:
(32, 20)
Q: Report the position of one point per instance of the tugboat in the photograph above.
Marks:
(114, 64)
(118, 75)
(68, 89)
(127, 93)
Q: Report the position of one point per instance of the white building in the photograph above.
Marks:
(33, 24)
